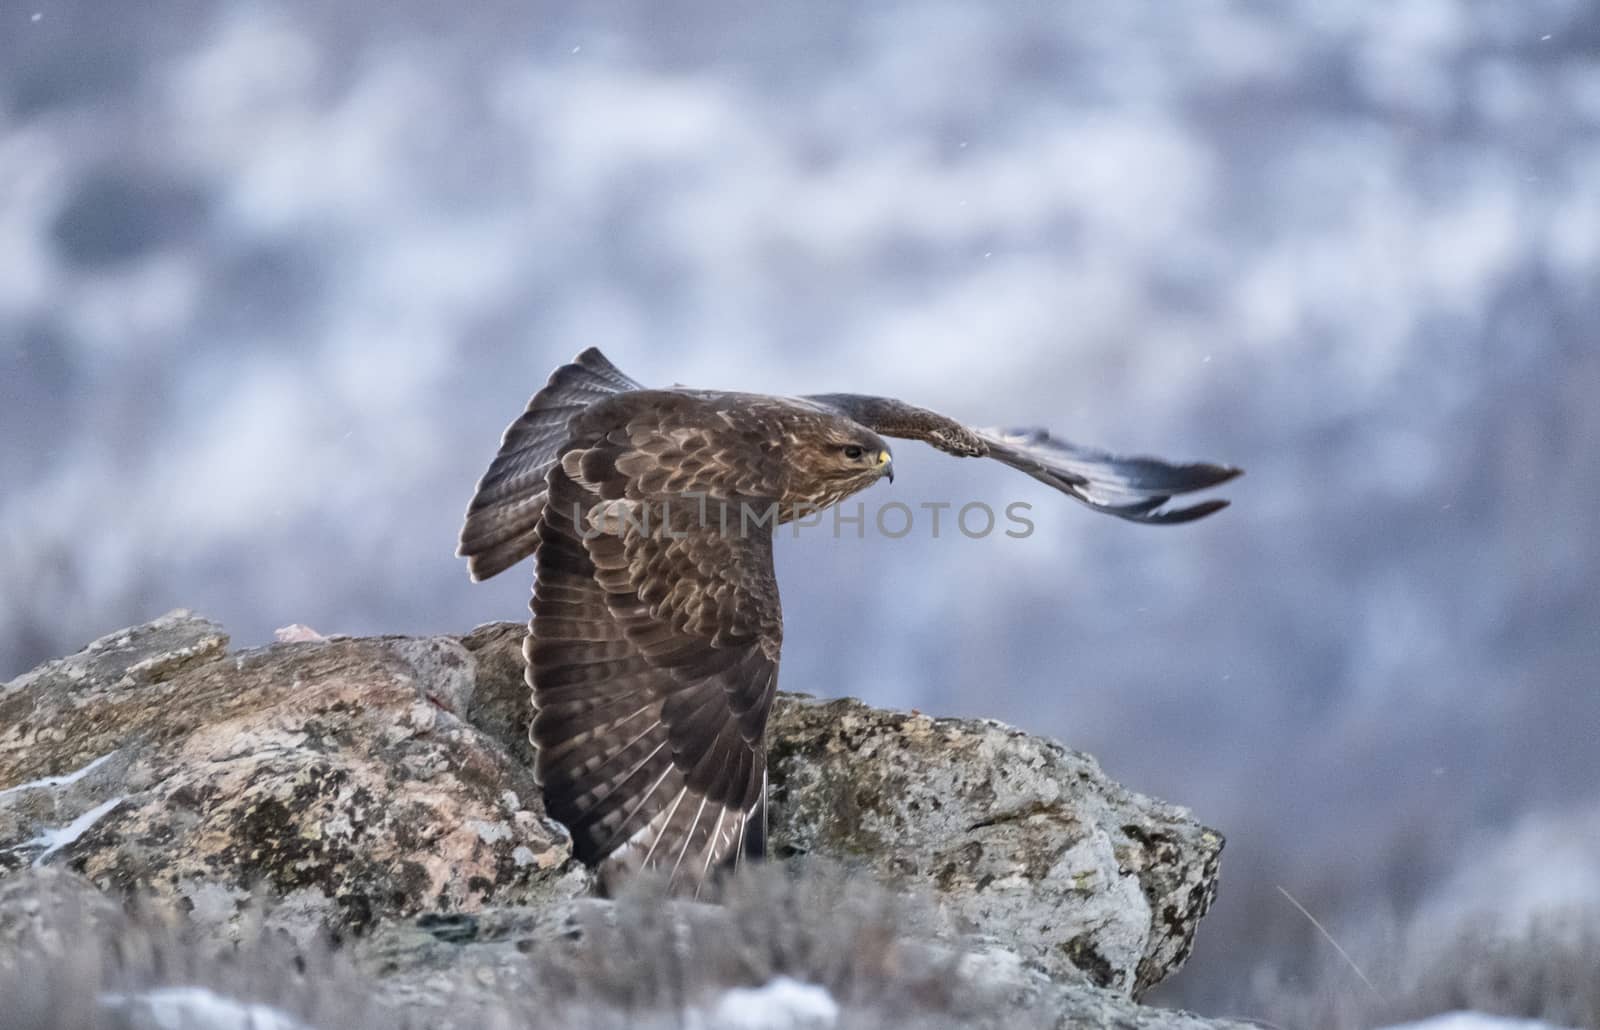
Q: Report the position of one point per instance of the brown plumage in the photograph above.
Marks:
(653, 648)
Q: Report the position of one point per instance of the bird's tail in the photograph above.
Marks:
(502, 520)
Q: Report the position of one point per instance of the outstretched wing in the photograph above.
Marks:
(1133, 488)
(502, 520)
(653, 657)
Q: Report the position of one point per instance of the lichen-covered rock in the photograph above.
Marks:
(352, 785)
(1023, 841)
(335, 776)
(1020, 839)
(501, 700)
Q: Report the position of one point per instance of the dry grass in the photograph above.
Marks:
(1546, 968)
(66, 952)
(640, 963)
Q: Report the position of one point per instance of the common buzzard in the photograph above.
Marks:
(653, 648)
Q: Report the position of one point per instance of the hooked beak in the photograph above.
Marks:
(886, 463)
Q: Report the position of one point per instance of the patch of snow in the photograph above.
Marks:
(782, 1004)
(295, 633)
(1473, 1021)
(65, 779)
(54, 840)
(192, 1008)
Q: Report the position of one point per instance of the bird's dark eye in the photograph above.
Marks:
(853, 452)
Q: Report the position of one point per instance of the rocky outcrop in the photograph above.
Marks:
(339, 776)
(379, 791)
(1023, 841)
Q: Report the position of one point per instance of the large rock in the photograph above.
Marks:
(350, 785)
(339, 776)
(1022, 840)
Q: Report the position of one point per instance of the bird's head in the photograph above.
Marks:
(841, 459)
(858, 455)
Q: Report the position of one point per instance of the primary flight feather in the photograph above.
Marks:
(653, 648)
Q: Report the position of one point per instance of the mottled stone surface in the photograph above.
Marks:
(500, 704)
(1022, 840)
(335, 777)
(380, 790)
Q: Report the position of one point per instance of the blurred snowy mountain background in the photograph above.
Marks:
(274, 276)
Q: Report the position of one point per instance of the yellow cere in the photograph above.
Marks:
(883, 457)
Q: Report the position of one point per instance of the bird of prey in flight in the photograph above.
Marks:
(653, 647)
